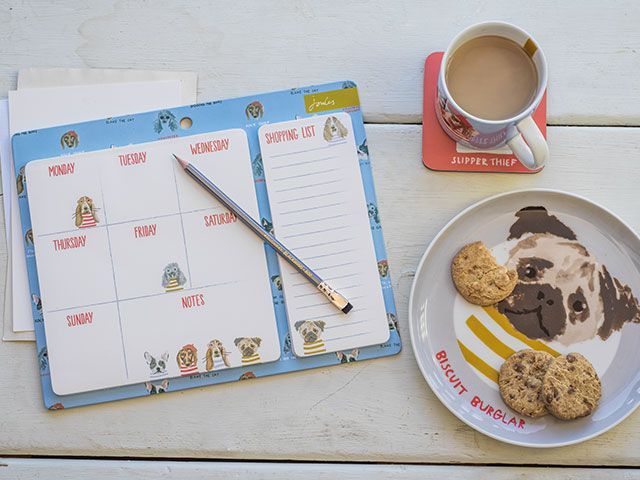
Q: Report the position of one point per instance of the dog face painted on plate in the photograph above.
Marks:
(310, 330)
(562, 292)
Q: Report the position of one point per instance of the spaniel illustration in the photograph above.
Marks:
(69, 139)
(155, 389)
(311, 333)
(157, 366)
(85, 215)
(187, 359)
(334, 129)
(172, 278)
(248, 347)
(20, 180)
(217, 356)
(562, 293)
(383, 268)
(254, 111)
(165, 119)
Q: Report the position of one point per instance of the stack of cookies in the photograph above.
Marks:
(534, 383)
(531, 382)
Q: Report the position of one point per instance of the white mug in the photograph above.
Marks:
(519, 132)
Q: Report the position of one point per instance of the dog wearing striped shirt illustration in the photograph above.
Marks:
(311, 332)
(248, 347)
(172, 278)
(187, 359)
(85, 214)
(217, 356)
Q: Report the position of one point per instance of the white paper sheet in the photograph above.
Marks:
(161, 266)
(46, 107)
(319, 211)
(70, 77)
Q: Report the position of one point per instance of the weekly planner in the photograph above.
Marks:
(143, 283)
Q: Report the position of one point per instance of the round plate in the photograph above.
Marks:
(579, 277)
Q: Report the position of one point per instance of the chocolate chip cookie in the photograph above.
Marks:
(571, 387)
(479, 278)
(520, 382)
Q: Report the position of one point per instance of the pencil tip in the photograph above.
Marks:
(182, 163)
(347, 308)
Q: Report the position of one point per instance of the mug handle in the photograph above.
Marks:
(529, 145)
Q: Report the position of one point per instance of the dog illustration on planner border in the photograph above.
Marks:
(334, 130)
(187, 359)
(372, 210)
(348, 357)
(383, 268)
(21, 180)
(28, 238)
(563, 293)
(69, 139)
(311, 332)
(254, 111)
(85, 215)
(165, 120)
(172, 278)
(248, 348)
(157, 366)
(154, 389)
(217, 356)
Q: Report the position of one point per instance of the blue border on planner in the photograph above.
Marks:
(206, 117)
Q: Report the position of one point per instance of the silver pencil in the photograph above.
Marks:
(333, 295)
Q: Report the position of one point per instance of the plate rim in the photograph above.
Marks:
(413, 334)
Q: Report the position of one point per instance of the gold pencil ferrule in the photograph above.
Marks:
(333, 295)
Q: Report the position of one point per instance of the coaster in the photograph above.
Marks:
(440, 152)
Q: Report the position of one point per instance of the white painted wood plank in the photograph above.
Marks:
(378, 411)
(45, 469)
(245, 46)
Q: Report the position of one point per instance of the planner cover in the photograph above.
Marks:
(331, 108)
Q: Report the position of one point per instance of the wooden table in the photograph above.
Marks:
(338, 421)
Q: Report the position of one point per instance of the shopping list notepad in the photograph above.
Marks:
(319, 211)
(143, 275)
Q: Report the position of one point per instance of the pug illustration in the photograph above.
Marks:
(217, 356)
(334, 129)
(383, 268)
(311, 332)
(172, 278)
(187, 359)
(248, 347)
(157, 366)
(562, 293)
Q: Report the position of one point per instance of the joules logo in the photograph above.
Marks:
(331, 100)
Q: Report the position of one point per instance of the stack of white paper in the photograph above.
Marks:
(50, 97)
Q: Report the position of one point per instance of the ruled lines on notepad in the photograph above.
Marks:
(319, 212)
